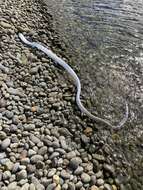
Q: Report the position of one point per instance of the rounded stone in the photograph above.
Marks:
(65, 174)
(56, 179)
(78, 171)
(85, 178)
(22, 175)
(75, 162)
(5, 143)
(36, 158)
(52, 172)
(71, 155)
(32, 187)
(100, 182)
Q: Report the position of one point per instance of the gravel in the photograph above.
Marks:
(43, 141)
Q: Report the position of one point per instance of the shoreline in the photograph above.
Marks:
(45, 141)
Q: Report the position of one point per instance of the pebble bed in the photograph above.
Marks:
(45, 143)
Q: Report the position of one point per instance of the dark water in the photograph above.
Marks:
(105, 39)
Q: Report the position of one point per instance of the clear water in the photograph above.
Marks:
(105, 41)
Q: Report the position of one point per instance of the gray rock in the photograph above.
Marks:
(100, 182)
(93, 179)
(31, 152)
(37, 184)
(109, 169)
(51, 186)
(29, 127)
(12, 186)
(98, 157)
(36, 158)
(25, 186)
(52, 172)
(2, 155)
(107, 187)
(34, 139)
(25, 161)
(63, 142)
(85, 139)
(79, 185)
(5, 143)
(65, 175)
(34, 70)
(85, 178)
(60, 150)
(71, 155)
(6, 175)
(99, 174)
(15, 167)
(43, 150)
(40, 165)
(78, 171)
(9, 114)
(55, 144)
(32, 187)
(65, 132)
(45, 181)
(71, 186)
(54, 154)
(2, 135)
(75, 162)
(65, 186)
(21, 175)
(31, 168)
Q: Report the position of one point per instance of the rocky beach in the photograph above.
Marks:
(45, 141)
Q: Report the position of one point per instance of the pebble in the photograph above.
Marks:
(29, 127)
(12, 186)
(9, 114)
(79, 185)
(98, 157)
(85, 178)
(107, 187)
(2, 135)
(54, 154)
(22, 175)
(43, 150)
(25, 186)
(65, 174)
(51, 186)
(58, 187)
(52, 172)
(65, 186)
(34, 139)
(75, 162)
(109, 169)
(71, 186)
(36, 158)
(32, 187)
(79, 170)
(100, 182)
(94, 188)
(31, 152)
(6, 175)
(71, 155)
(5, 143)
(2, 155)
(56, 179)
(5, 25)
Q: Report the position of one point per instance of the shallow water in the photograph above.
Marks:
(105, 41)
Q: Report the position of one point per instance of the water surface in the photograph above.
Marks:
(105, 40)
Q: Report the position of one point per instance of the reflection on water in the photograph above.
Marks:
(106, 41)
